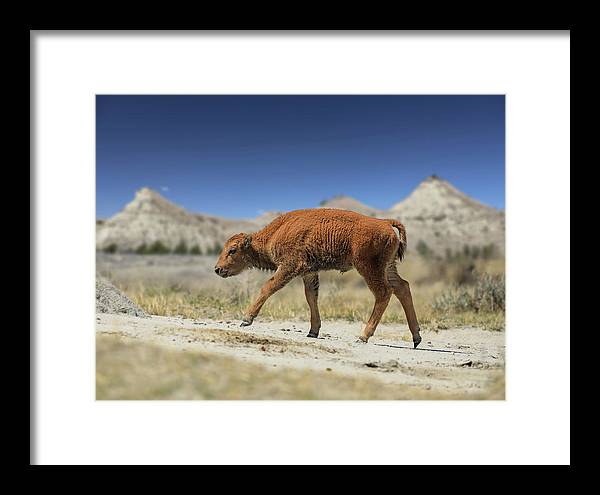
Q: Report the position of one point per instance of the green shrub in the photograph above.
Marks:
(157, 247)
(423, 249)
(488, 251)
(465, 272)
(111, 248)
(216, 249)
(472, 253)
(486, 295)
(142, 249)
(181, 248)
(195, 249)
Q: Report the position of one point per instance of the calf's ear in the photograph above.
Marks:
(247, 240)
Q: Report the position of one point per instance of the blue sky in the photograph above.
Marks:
(237, 156)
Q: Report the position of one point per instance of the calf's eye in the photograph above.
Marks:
(231, 251)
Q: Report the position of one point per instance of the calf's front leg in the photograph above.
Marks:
(282, 276)
(311, 291)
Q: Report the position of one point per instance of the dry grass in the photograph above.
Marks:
(130, 370)
(186, 286)
(342, 296)
(351, 305)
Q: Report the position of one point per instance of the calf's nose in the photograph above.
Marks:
(217, 270)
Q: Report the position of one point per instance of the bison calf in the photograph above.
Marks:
(303, 242)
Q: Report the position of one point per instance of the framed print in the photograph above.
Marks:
(259, 243)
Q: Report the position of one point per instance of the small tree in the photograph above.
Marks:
(111, 248)
(181, 248)
(195, 249)
(158, 247)
(142, 249)
(488, 251)
(423, 249)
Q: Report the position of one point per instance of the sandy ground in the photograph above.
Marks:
(468, 362)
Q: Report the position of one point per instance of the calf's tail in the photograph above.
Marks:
(401, 237)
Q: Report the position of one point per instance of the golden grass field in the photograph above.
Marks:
(341, 296)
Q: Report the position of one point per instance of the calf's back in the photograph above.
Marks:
(327, 238)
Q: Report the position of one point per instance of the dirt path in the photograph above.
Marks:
(467, 361)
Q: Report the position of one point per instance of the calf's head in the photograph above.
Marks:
(233, 259)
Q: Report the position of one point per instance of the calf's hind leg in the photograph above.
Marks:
(382, 291)
(311, 291)
(401, 290)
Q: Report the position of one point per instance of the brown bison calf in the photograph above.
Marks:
(303, 242)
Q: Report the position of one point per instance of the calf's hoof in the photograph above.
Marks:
(313, 335)
(363, 339)
(416, 341)
(246, 322)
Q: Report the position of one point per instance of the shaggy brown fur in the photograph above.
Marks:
(303, 242)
